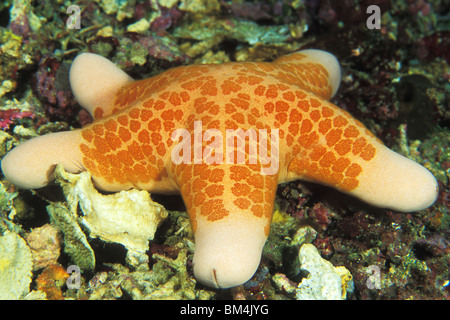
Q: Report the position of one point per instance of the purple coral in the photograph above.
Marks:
(51, 84)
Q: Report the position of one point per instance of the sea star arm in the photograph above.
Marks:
(31, 164)
(95, 81)
(339, 151)
(230, 208)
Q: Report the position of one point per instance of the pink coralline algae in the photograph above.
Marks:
(52, 88)
(7, 117)
(169, 17)
(433, 46)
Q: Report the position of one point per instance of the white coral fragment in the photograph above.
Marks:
(324, 282)
(127, 217)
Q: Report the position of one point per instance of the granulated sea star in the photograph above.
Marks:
(230, 205)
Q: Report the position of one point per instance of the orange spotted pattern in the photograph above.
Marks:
(318, 141)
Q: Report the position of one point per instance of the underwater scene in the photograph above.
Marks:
(225, 150)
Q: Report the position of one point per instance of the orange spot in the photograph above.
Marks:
(281, 106)
(304, 105)
(333, 136)
(256, 196)
(250, 80)
(153, 173)
(343, 146)
(156, 138)
(335, 178)
(327, 112)
(243, 96)
(272, 92)
(98, 113)
(240, 103)
(144, 136)
(124, 134)
(198, 185)
(308, 140)
(259, 91)
(238, 117)
(242, 203)
(167, 115)
(178, 114)
(146, 114)
(349, 184)
(175, 99)
(98, 129)
(134, 113)
(209, 88)
(341, 164)
(239, 173)
(351, 132)
(214, 190)
(358, 145)
(164, 95)
(269, 107)
(255, 112)
(87, 135)
(257, 210)
(101, 144)
(124, 157)
(240, 189)
(154, 125)
(159, 105)
(317, 153)
(315, 115)
(148, 103)
(199, 199)
(230, 124)
(161, 149)
(192, 85)
(353, 171)
(111, 125)
(216, 176)
(289, 96)
(123, 120)
(281, 117)
(315, 103)
(256, 181)
(368, 152)
(300, 95)
(113, 140)
(295, 116)
(147, 149)
(214, 210)
(86, 150)
(135, 125)
(306, 126)
(324, 126)
(293, 128)
(185, 96)
(328, 159)
(339, 121)
(135, 151)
